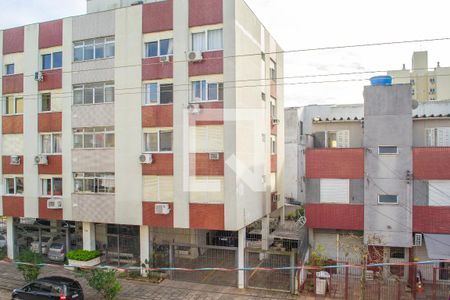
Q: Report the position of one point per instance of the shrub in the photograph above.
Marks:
(83, 255)
(104, 282)
(3, 253)
(29, 272)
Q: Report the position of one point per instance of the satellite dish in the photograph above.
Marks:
(415, 104)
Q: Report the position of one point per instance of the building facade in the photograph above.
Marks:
(140, 116)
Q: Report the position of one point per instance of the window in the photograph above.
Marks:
(208, 40)
(203, 91)
(273, 145)
(158, 188)
(439, 192)
(52, 60)
(273, 108)
(206, 139)
(51, 143)
(158, 141)
(432, 91)
(387, 150)
(10, 69)
(94, 183)
(93, 93)
(46, 102)
(51, 186)
(273, 70)
(432, 80)
(412, 82)
(94, 49)
(397, 252)
(438, 137)
(159, 48)
(387, 199)
(263, 96)
(13, 105)
(96, 137)
(332, 139)
(14, 185)
(156, 93)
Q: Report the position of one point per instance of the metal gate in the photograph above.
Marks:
(122, 247)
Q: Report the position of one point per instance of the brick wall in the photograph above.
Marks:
(150, 218)
(7, 168)
(205, 12)
(157, 16)
(335, 216)
(54, 165)
(431, 219)
(13, 40)
(162, 165)
(201, 165)
(212, 63)
(431, 163)
(13, 206)
(153, 68)
(50, 34)
(335, 163)
(12, 84)
(50, 122)
(206, 216)
(12, 124)
(52, 80)
(157, 116)
(49, 214)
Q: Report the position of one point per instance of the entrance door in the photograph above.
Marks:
(112, 250)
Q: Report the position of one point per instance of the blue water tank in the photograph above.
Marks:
(381, 80)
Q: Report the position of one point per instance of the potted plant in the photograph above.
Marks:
(83, 258)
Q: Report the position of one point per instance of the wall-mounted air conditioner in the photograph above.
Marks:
(14, 160)
(195, 56)
(275, 121)
(162, 209)
(54, 203)
(194, 108)
(41, 159)
(214, 156)
(146, 158)
(38, 76)
(164, 59)
(418, 238)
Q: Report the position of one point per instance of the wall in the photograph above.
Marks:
(1, 125)
(293, 173)
(355, 130)
(356, 195)
(420, 126)
(94, 25)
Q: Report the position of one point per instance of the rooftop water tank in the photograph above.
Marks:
(381, 80)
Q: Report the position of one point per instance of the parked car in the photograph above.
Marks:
(2, 241)
(52, 288)
(45, 243)
(56, 252)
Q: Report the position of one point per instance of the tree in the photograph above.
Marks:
(104, 281)
(28, 263)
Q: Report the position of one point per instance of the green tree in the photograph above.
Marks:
(28, 264)
(104, 281)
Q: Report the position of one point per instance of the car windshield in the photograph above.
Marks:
(56, 246)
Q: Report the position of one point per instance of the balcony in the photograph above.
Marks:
(335, 216)
(337, 163)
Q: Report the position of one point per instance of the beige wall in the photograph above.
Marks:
(92, 160)
(420, 126)
(15, 58)
(355, 130)
(94, 25)
(99, 208)
(93, 71)
(93, 115)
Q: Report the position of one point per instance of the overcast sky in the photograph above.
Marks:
(298, 24)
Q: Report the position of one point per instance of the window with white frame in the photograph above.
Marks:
(93, 93)
(50, 143)
(273, 108)
(9, 69)
(387, 150)
(158, 141)
(208, 40)
(45, 102)
(93, 138)
(338, 139)
(159, 48)
(158, 93)
(387, 199)
(13, 185)
(52, 60)
(203, 91)
(51, 187)
(438, 137)
(273, 144)
(99, 183)
(13, 105)
(94, 49)
(273, 70)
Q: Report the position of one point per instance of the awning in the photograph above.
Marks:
(438, 246)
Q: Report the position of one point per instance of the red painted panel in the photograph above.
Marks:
(162, 165)
(201, 165)
(210, 114)
(49, 214)
(431, 163)
(335, 216)
(273, 128)
(54, 165)
(212, 63)
(7, 168)
(13, 206)
(12, 84)
(342, 163)
(273, 89)
(431, 219)
(50, 34)
(157, 16)
(205, 12)
(13, 40)
(12, 124)
(50, 122)
(273, 163)
(150, 218)
(157, 116)
(52, 80)
(206, 216)
(153, 69)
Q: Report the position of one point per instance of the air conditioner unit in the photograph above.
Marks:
(38, 76)
(164, 59)
(53, 203)
(418, 238)
(41, 159)
(195, 56)
(14, 160)
(275, 121)
(146, 158)
(162, 209)
(214, 156)
(194, 108)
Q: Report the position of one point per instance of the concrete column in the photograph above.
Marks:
(264, 236)
(241, 256)
(145, 246)
(151, 239)
(88, 236)
(10, 237)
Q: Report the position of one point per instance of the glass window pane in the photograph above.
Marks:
(57, 187)
(99, 48)
(89, 50)
(57, 60)
(151, 49)
(109, 94)
(100, 140)
(332, 142)
(19, 185)
(165, 47)
(46, 102)
(78, 141)
(203, 89)
(10, 104)
(88, 95)
(46, 187)
(152, 93)
(196, 91)
(220, 91)
(79, 186)
(19, 105)
(215, 40)
(109, 49)
(46, 61)
(88, 140)
(387, 150)
(78, 96)
(78, 53)
(89, 185)
(46, 143)
(388, 199)
(151, 142)
(10, 69)
(212, 91)
(198, 41)
(57, 148)
(99, 94)
(166, 140)
(9, 185)
(109, 141)
(166, 91)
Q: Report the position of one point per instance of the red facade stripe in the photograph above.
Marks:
(273, 89)
(13, 206)
(210, 114)
(342, 163)
(205, 12)
(201, 165)
(12, 124)
(54, 165)
(206, 216)
(49, 214)
(157, 16)
(157, 116)
(162, 165)
(431, 163)
(154, 69)
(52, 80)
(50, 34)
(151, 219)
(273, 163)
(12, 84)
(13, 40)
(335, 216)
(50, 122)
(431, 219)
(212, 63)
(8, 168)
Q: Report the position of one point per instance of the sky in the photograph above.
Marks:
(299, 24)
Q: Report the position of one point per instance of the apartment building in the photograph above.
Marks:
(375, 173)
(427, 84)
(139, 119)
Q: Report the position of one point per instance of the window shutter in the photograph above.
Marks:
(439, 192)
(150, 188)
(430, 137)
(215, 139)
(166, 188)
(334, 191)
(343, 139)
(198, 187)
(215, 190)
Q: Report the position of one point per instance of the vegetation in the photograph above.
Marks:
(3, 253)
(295, 215)
(31, 270)
(317, 258)
(103, 281)
(83, 255)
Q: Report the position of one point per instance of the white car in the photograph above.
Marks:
(2, 241)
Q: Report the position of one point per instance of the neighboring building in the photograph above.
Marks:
(426, 84)
(86, 98)
(378, 171)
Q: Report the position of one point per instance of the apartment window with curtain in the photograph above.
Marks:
(93, 93)
(13, 185)
(45, 102)
(51, 187)
(438, 137)
(51, 143)
(93, 138)
(98, 48)
(158, 141)
(158, 93)
(203, 91)
(159, 48)
(52, 60)
(10, 69)
(98, 183)
(13, 105)
(208, 40)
